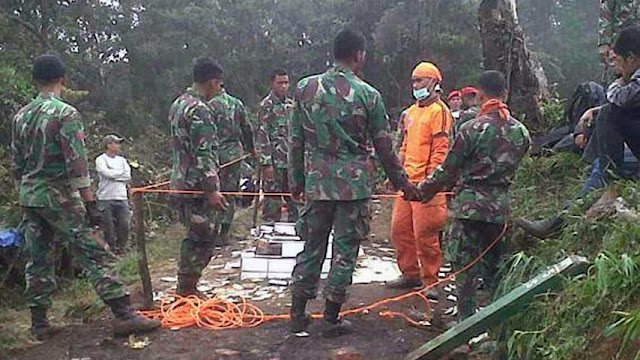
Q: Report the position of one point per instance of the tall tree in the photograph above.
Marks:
(505, 49)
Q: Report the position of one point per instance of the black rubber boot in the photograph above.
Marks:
(224, 236)
(40, 327)
(333, 325)
(128, 322)
(542, 228)
(187, 286)
(300, 320)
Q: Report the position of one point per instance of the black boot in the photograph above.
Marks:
(542, 228)
(128, 322)
(333, 325)
(187, 286)
(224, 236)
(300, 320)
(40, 327)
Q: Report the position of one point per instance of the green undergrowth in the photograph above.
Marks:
(595, 315)
(77, 302)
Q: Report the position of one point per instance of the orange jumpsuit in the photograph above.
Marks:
(416, 227)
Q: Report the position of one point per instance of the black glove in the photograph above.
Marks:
(94, 213)
(410, 193)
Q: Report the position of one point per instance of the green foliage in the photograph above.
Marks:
(574, 322)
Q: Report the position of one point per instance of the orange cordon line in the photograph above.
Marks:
(164, 183)
(219, 314)
(152, 189)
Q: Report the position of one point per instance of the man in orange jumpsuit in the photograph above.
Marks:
(416, 227)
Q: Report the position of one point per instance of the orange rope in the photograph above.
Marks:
(164, 183)
(218, 314)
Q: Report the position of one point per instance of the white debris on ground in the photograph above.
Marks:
(274, 257)
(262, 271)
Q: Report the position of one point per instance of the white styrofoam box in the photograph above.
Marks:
(255, 264)
(285, 228)
(290, 249)
(281, 265)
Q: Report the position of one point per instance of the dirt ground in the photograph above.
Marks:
(375, 337)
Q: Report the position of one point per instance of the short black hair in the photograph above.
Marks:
(205, 69)
(278, 72)
(47, 69)
(493, 83)
(628, 42)
(347, 43)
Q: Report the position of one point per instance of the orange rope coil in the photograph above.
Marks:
(178, 312)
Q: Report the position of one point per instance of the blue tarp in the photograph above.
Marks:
(11, 238)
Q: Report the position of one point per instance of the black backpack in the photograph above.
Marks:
(586, 96)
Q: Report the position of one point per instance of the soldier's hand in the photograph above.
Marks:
(217, 201)
(411, 193)
(425, 194)
(94, 213)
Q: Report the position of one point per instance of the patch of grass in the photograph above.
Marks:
(571, 323)
(76, 301)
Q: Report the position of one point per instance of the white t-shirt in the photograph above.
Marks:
(113, 175)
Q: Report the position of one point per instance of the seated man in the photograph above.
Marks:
(616, 125)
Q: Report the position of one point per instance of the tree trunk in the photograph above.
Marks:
(504, 49)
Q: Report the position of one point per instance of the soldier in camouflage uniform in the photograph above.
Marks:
(338, 120)
(195, 167)
(271, 139)
(50, 164)
(235, 137)
(484, 157)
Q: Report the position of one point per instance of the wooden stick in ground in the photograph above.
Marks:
(256, 201)
(141, 244)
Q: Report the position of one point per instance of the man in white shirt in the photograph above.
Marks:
(114, 174)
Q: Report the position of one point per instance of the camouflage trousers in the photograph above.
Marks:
(197, 248)
(350, 223)
(87, 245)
(272, 205)
(230, 181)
(467, 240)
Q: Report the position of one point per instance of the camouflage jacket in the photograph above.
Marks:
(338, 121)
(615, 14)
(48, 152)
(235, 133)
(484, 157)
(465, 116)
(273, 133)
(194, 144)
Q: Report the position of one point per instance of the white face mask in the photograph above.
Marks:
(421, 94)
